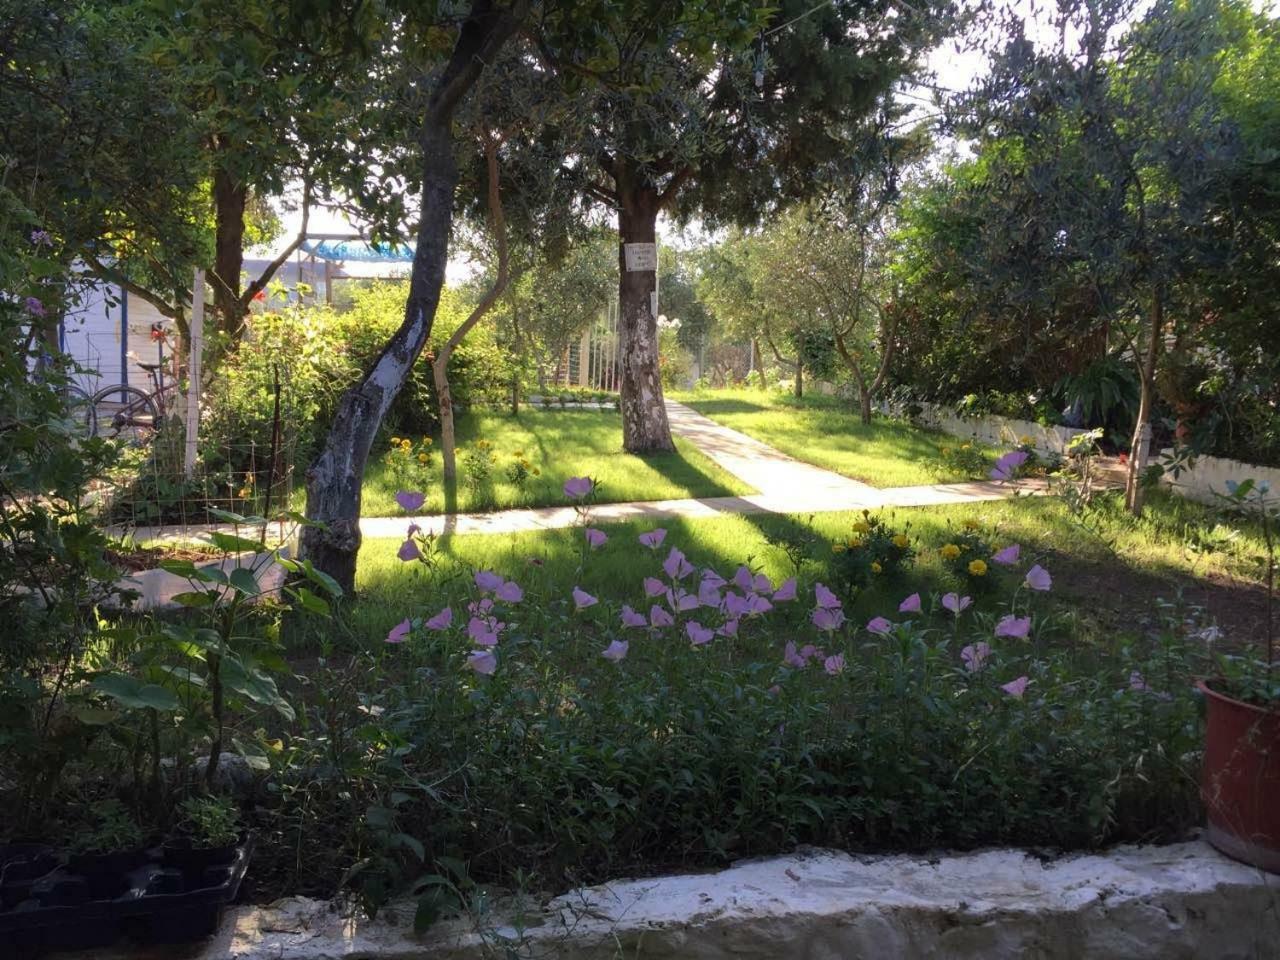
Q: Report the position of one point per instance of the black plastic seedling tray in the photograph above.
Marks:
(152, 903)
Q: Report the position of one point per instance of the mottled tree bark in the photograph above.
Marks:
(1139, 448)
(229, 200)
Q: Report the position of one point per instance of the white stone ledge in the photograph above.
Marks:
(1171, 902)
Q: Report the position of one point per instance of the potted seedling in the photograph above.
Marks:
(208, 835)
(106, 849)
(1240, 785)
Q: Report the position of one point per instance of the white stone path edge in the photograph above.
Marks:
(1178, 902)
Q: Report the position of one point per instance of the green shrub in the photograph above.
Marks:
(875, 553)
(964, 457)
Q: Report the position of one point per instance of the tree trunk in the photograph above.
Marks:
(1139, 449)
(799, 378)
(229, 200)
(644, 415)
(334, 480)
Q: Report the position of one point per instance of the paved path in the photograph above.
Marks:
(784, 485)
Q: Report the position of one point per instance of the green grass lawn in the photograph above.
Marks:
(1177, 548)
(559, 444)
(824, 431)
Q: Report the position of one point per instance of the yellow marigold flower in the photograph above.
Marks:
(978, 568)
(422, 458)
(875, 566)
(965, 446)
(426, 441)
(837, 548)
(395, 440)
(1025, 441)
(950, 551)
(862, 526)
(854, 543)
(245, 493)
(946, 451)
(900, 541)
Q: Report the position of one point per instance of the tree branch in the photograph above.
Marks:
(112, 275)
(673, 186)
(269, 271)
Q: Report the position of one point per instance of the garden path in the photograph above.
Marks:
(784, 485)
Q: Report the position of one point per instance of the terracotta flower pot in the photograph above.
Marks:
(1240, 785)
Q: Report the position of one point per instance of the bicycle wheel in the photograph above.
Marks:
(81, 412)
(126, 413)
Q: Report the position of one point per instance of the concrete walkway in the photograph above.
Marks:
(784, 485)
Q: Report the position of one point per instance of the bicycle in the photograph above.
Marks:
(123, 411)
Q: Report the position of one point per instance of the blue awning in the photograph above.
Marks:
(359, 250)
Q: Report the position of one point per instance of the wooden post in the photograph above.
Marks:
(194, 352)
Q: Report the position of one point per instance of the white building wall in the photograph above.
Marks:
(107, 334)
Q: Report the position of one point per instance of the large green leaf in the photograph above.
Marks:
(233, 544)
(133, 693)
(243, 579)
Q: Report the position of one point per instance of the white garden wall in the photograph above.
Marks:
(997, 431)
(1208, 477)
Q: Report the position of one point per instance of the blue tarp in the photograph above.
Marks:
(359, 250)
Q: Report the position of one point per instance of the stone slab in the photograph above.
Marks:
(1178, 902)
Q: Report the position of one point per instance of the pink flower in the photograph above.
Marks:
(791, 658)
(757, 604)
(713, 578)
(834, 664)
(615, 651)
(482, 661)
(509, 592)
(910, 605)
(825, 598)
(698, 634)
(956, 603)
(653, 539)
(483, 605)
(659, 617)
(413, 530)
(734, 605)
(1038, 578)
(975, 655)
(632, 619)
(582, 599)
(786, 590)
(41, 238)
(409, 551)
(879, 625)
(708, 594)
(1136, 682)
(1016, 688)
(809, 650)
(399, 632)
(410, 500)
(595, 538)
(483, 631)
(1008, 556)
(653, 587)
(774, 690)
(578, 487)
(676, 566)
(825, 618)
(488, 581)
(679, 600)
(761, 584)
(728, 629)
(1011, 626)
(441, 620)
(1007, 464)
(34, 307)
(743, 579)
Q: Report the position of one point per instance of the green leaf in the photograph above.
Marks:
(310, 602)
(132, 693)
(233, 544)
(413, 843)
(94, 716)
(227, 516)
(183, 568)
(196, 599)
(243, 579)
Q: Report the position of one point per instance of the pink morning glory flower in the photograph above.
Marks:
(441, 620)
(1136, 682)
(757, 604)
(825, 618)
(956, 603)
(409, 551)
(825, 598)
(786, 591)
(1016, 688)
(399, 632)
(774, 690)
(653, 587)
(632, 619)
(728, 629)
(615, 651)
(1008, 556)
(482, 661)
(761, 584)
(34, 307)
(483, 631)
(487, 580)
(676, 566)
(653, 539)
(743, 579)
(659, 617)
(413, 530)
(410, 500)
(1007, 464)
(578, 487)
(679, 600)
(1038, 578)
(582, 599)
(595, 538)
(708, 594)
(975, 655)
(698, 634)
(879, 625)
(735, 605)
(41, 238)
(809, 650)
(791, 658)
(509, 592)
(1011, 626)
(713, 578)
(910, 605)
(834, 664)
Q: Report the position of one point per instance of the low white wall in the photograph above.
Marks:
(998, 431)
(1209, 475)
